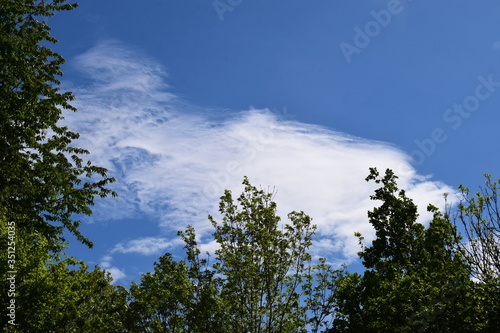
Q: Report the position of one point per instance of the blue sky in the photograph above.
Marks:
(180, 99)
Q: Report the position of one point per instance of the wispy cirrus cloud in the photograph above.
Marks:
(172, 160)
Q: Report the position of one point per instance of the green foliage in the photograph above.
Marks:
(416, 280)
(57, 293)
(480, 216)
(42, 177)
(262, 265)
(262, 279)
(179, 296)
(322, 284)
(44, 182)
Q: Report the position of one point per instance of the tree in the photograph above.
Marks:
(415, 279)
(262, 279)
(44, 183)
(44, 180)
(179, 296)
(262, 266)
(54, 292)
(480, 217)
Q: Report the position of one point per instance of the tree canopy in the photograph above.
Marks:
(261, 279)
(44, 180)
(415, 276)
(479, 215)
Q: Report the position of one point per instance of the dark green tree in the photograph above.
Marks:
(415, 279)
(179, 296)
(54, 292)
(44, 180)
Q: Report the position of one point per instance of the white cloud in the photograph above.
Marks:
(145, 246)
(115, 272)
(173, 161)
